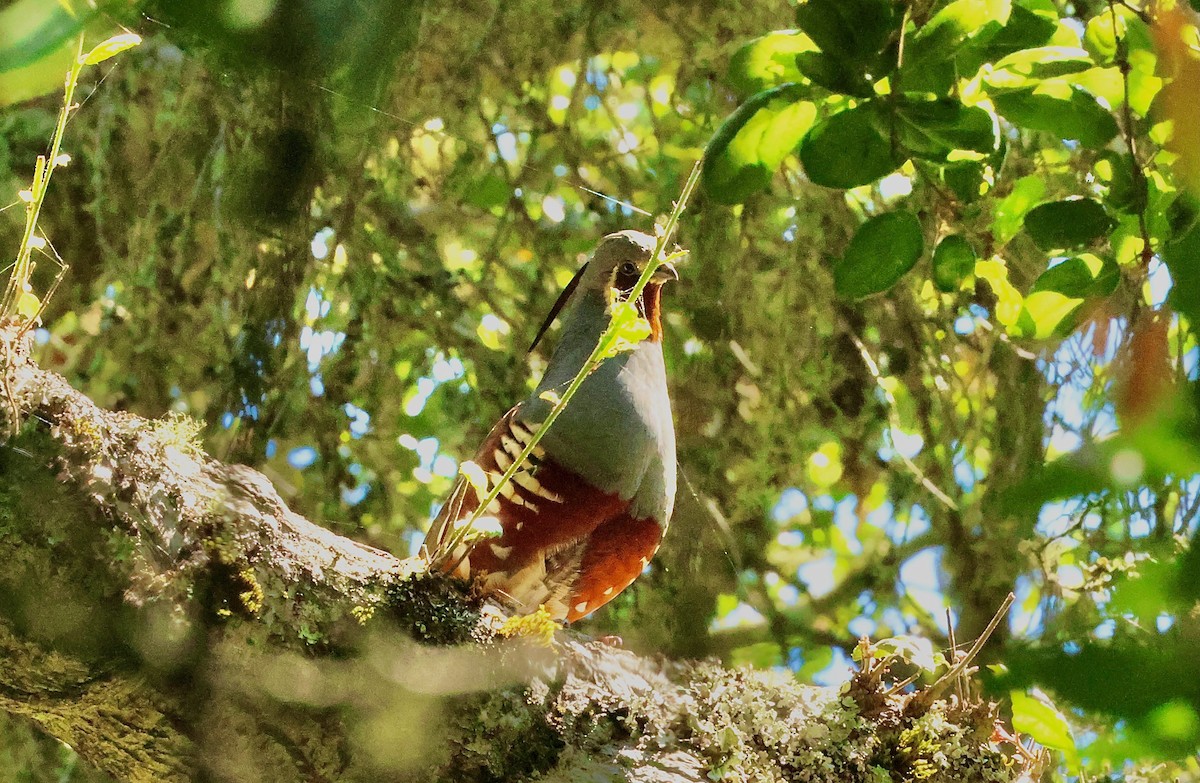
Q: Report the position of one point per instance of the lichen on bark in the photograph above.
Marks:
(164, 613)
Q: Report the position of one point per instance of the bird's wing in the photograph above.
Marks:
(547, 516)
(463, 499)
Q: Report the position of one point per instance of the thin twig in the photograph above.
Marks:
(894, 420)
(962, 693)
(961, 665)
(1139, 175)
(44, 168)
(907, 681)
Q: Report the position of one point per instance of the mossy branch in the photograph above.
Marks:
(168, 614)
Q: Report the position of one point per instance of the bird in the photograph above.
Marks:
(581, 519)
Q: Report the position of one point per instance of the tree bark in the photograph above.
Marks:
(169, 618)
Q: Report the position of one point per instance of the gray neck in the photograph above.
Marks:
(585, 322)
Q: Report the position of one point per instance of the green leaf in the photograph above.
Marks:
(1024, 68)
(881, 252)
(858, 41)
(911, 649)
(1011, 210)
(1106, 28)
(111, 48)
(933, 129)
(966, 178)
(28, 305)
(954, 25)
(1086, 275)
(629, 327)
(1176, 722)
(833, 74)
(38, 42)
(936, 77)
(853, 31)
(489, 191)
(1045, 314)
(1182, 256)
(1145, 592)
(747, 149)
(953, 261)
(847, 149)
(1126, 190)
(1068, 224)
(1009, 302)
(1067, 111)
(37, 46)
(35, 29)
(767, 61)
(1027, 28)
(761, 655)
(1043, 722)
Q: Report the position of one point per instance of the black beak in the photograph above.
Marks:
(558, 306)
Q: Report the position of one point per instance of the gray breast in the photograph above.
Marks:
(617, 431)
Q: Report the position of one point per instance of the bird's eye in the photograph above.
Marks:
(629, 268)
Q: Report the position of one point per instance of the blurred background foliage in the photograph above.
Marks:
(932, 344)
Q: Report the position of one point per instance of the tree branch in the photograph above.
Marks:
(171, 619)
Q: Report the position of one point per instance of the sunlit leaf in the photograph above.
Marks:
(1175, 34)
(1082, 276)
(28, 305)
(1067, 111)
(111, 48)
(1043, 722)
(768, 61)
(1008, 299)
(34, 29)
(913, 649)
(1044, 312)
(476, 477)
(629, 327)
(1027, 28)
(1028, 66)
(746, 151)
(1111, 25)
(1010, 212)
(955, 24)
